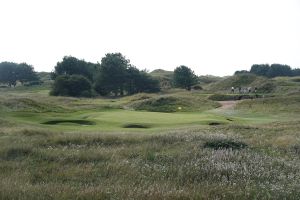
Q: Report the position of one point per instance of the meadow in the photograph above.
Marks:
(171, 145)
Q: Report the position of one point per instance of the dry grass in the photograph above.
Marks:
(38, 164)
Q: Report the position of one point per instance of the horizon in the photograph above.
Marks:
(210, 37)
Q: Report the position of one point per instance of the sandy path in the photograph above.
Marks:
(227, 104)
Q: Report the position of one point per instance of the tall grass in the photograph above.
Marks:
(37, 164)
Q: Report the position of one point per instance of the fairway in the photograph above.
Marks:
(118, 119)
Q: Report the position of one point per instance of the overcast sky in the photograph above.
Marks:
(214, 37)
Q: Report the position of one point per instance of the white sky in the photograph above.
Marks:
(210, 36)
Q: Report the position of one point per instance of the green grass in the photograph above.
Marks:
(78, 148)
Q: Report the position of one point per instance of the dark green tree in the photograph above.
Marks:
(296, 72)
(260, 70)
(140, 81)
(241, 72)
(71, 65)
(8, 73)
(26, 73)
(112, 75)
(71, 85)
(184, 77)
(279, 70)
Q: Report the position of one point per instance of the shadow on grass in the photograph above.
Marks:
(80, 122)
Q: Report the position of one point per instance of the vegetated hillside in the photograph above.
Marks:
(287, 85)
(242, 80)
(207, 79)
(279, 85)
(177, 102)
(276, 105)
(164, 77)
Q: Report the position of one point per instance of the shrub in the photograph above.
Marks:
(267, 88)
(224, 144)
(72, 85)
(197, 87)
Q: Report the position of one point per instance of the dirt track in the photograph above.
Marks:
(227, 104)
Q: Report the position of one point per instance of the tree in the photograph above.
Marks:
(71, 66)
(140, 81)
(26, 73)
(71, 85)
(296, 72)
(260, 70)
(184, 77)
(112, 74)
(8, 73)
(279, 70)
(11, 73)
(241, 72)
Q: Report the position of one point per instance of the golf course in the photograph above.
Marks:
(174, 144)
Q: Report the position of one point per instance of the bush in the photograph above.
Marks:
(72, 85)
(224, 144)
(267, 88)
(226, 97)
(197, 87)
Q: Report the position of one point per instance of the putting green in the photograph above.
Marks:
(119, 119)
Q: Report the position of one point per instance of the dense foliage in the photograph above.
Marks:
(184, 77)
(11, 73)
(271, 71)
(117, 76)
(71, 65)
(72, 85)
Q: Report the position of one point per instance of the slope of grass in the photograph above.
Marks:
(243, 80)
(178, 102)
(275, 105)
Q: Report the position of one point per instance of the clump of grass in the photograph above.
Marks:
(232, 97)
(88, 141)
(15, 153)
(225, 144)
(34, 132)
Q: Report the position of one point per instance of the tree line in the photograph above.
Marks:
(271, 71)
(113, 76)
(11, 73)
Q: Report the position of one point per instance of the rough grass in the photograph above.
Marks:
(233, 97)
(181, 158)
(243, 80)
(181, 102)
(224, 144)
(196, 163)
(279, 104)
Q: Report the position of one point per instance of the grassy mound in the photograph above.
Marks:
(28, 105)
(242, 80)
(80, 122)
(164, 77)
(280, 104)
(174, 103)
